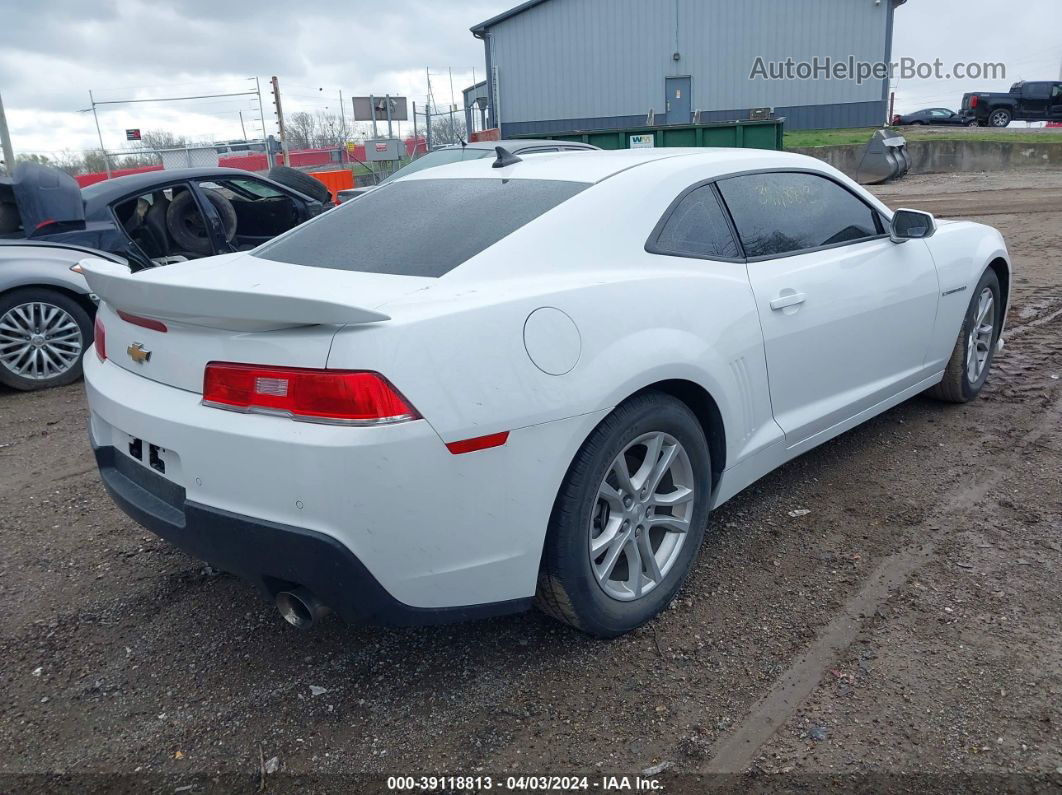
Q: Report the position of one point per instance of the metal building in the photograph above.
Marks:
(559, 65)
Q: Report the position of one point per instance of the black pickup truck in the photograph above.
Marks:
(1026, 101)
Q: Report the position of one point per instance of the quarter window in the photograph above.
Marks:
(781, 213)
(697, 227)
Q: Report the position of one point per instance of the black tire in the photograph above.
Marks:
(956, 387)
(186, 224)
(568, 589)
(1000, 117)
(10, 221)
(44, 295)
(302, 182)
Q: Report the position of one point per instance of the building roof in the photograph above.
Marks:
(512, 12)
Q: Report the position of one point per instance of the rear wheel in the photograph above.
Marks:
(629, 518)
(999, 118)
(972, 356)
(43, 335)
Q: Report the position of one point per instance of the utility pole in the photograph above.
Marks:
(427, 122)
(5, 139)
(416, 137)
(453, 103)
(261, 112)
(342, 122)
(242, 128)
(280, 122)
(106, 160)
(372, 104)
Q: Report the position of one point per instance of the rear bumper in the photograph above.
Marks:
(388, 524)
(270, 555)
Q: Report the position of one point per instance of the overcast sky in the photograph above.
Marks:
(52, 52)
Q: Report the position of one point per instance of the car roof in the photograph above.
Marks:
(595, 166)
(148, 179)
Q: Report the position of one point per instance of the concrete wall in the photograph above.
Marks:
(604, 62)
(939, 157)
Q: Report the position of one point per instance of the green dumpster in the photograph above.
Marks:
(758, 134)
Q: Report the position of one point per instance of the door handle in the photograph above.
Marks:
(791, 299)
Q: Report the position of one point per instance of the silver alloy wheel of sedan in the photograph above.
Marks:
(642, 516)
(39, 341)
(979, 344)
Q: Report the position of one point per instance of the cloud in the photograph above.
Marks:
(53, 52)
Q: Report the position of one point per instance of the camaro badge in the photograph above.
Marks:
(138, 354)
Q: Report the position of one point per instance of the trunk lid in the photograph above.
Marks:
(48, 200)
(233, 308)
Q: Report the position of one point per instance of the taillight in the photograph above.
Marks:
(973, 101)
(341, 397)
(100, 338)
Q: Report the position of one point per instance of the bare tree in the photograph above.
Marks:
(302, 130)
(332, 130)
(70, 162)
(95, 161)
(162, 139)
(448, 129)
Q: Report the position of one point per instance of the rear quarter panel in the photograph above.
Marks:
(457, 349)
(29, 266)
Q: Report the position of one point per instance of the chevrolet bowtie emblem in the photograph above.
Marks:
(138, 354)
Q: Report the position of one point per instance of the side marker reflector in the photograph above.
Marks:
(478, 443)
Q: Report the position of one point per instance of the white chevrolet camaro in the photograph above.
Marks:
(492, 385)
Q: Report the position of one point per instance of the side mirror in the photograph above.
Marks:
(911, 225)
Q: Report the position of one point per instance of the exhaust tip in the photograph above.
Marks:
(300, 608)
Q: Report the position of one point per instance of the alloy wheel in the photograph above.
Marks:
(979, 343)
(641, 516)
(39, 341)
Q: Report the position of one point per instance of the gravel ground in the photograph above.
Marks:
(908, 623)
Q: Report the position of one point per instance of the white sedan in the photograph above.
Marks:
(492, 385)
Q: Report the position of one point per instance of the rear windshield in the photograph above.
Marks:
(440, 157)
(424, 227)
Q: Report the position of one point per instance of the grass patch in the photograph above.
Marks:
(809, 138)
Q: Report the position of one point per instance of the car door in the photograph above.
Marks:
(1055, 111)
(847, 315)
(1034, 101)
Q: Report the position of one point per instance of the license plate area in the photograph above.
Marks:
(150, 455)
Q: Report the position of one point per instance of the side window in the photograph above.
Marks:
(780, 213)
(696, 227)
(1056, 91)
(148, 221)
(1037, 90)
(251, 211)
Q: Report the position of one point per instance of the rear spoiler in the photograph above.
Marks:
(237, 309)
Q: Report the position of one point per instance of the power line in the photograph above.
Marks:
(172, 99)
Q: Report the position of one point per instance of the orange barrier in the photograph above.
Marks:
(335, 181)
